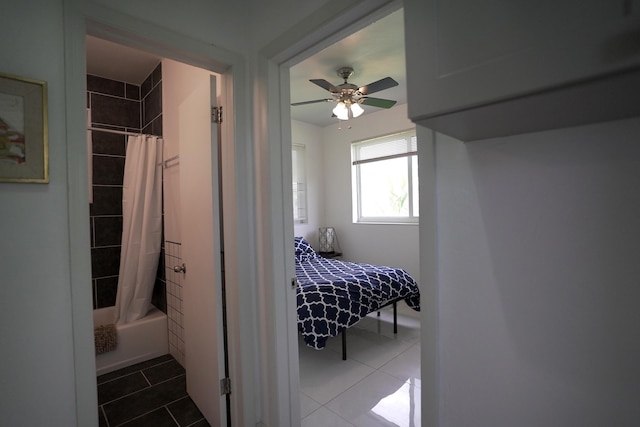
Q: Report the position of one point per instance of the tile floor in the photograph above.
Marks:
(378, 384)
(151, 393)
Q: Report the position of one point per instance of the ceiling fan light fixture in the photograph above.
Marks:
(349, 96)
(356, 110)
(341, 111)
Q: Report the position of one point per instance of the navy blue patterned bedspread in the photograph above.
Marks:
(333, 295)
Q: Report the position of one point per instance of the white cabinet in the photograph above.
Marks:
(479, 69)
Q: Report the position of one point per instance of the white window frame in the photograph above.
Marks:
(299, 183)
(410, 153)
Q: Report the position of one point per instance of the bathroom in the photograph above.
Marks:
(157, 102)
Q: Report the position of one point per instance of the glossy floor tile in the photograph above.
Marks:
(326, 374)
(325, 418)
(379, 400)
(151, 393)
(378, 384)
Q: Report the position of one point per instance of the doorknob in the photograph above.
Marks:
(180, 268)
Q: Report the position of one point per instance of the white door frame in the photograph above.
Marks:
(332, 22)
(111, 25)
(258, 220)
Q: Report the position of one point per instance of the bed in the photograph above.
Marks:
(333, 295)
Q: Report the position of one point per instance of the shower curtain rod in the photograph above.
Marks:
(119, 132)
(170, 159)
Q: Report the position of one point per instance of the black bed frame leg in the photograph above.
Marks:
(344, 345)
(395, 317)
(395, 330)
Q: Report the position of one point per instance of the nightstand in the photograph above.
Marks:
(330, 255)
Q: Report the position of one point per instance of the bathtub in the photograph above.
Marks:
(138, 341)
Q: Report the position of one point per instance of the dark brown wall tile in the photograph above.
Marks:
(152, 104)
(106, 289)
(106, 201)
(117, 105)
(105, 261)
(108, 143)
(115, 111)
(108, 170)
(105, 86)
(132, 92)
(108, 230)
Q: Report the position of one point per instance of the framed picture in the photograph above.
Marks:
(24, 151)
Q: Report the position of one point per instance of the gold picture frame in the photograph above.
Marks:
(24, 149)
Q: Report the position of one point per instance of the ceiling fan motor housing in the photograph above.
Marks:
(345, 73)
(347, 92)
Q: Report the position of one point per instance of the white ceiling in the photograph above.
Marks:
(375, 52)
(117, 62)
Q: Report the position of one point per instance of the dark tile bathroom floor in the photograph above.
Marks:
(151, 393)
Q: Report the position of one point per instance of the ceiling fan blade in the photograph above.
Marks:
(312, 102)
(381, 84)
(324, 85)
(378, 102)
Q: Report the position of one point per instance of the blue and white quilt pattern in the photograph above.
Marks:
(333, 295)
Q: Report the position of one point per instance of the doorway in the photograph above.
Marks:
(374, 345)
(180, 98)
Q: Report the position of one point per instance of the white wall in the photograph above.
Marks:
(37, 357)
(38, 298)
(392, 245)
(538, 248)
(543, 334)
(222, 23)
(272, 17)
(311, 137)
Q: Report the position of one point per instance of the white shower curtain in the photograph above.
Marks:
(141, 227)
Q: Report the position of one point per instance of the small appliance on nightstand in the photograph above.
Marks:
(329, 247)
(330, 255)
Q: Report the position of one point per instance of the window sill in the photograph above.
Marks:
(385, 223)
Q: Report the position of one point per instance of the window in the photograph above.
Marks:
(299, 176)
(385, 179)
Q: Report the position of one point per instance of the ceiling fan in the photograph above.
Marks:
(349, 96)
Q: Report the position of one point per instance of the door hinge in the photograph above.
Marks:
(216, 114)
(225, 386)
